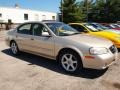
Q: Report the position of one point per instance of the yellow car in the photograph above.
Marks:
(91, 29)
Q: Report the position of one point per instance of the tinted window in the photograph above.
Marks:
(93, 27)
(54, 26)
(24, 29)
(79, 28)
(61, 29)
(40, 30)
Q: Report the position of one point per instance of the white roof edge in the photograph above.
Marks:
(27, 9)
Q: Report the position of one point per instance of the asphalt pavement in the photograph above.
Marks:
(31, 72)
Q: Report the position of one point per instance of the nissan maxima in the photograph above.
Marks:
(60, 42)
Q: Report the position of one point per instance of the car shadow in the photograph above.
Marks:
(118, 49)
(53, 65)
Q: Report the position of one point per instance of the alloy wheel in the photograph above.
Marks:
(14, 48)
(69, 62)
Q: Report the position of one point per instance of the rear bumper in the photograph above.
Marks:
(7, 41)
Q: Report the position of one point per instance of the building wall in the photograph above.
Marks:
(17, 15)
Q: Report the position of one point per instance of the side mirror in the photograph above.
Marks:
(46, 34)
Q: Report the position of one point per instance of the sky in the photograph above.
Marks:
(43, 5)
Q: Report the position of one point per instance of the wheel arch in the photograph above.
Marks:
(11, 42)
(78, 52)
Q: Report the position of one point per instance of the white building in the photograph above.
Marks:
(19, 15)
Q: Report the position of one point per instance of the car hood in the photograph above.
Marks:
(90, 40)
(113, 31)
(105, 34)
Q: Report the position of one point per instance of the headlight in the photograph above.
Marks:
(98, 50)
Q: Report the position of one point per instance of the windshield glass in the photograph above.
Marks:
(61, 29)
(95, 27)
(101, 26)
(92, 27)
(116, 26)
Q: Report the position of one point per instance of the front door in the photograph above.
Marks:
(43, 43)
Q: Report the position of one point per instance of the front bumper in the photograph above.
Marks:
(100, 61)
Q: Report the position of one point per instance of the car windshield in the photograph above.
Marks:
(116, 26)
(101, 26)
(61, 29)
(96, 27)
(93, 28)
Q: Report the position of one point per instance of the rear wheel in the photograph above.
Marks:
(70, 61)
(14, 48)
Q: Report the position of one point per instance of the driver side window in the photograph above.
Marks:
(79, 28)
(40, 30)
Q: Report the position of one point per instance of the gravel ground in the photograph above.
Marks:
(30, 72)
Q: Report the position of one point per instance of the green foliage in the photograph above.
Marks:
(86, 6)
(71, 11)
(106, 11)
(98, 10)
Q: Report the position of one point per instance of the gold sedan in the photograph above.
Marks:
(58, 41)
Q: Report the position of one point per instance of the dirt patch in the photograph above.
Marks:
(111, 85)
(116, 85)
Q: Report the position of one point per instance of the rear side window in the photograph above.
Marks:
(24, 29)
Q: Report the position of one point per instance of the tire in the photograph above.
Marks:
(14, 48)
(70, 61)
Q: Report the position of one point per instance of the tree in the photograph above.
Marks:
(71, 11)
(106, 11)
(86, 6)
(90, 10)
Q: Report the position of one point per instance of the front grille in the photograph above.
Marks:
(113, 49)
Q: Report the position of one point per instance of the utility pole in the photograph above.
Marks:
(62, 9)
(87, 10)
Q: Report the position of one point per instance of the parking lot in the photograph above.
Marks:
(31, 72)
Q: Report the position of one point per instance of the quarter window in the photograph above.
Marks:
(24, 29)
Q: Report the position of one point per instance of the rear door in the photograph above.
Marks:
(23, 36)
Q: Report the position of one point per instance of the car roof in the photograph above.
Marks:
(77, 23)
(43, 22)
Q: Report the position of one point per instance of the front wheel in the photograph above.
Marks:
(70, 61)
(14, 48)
